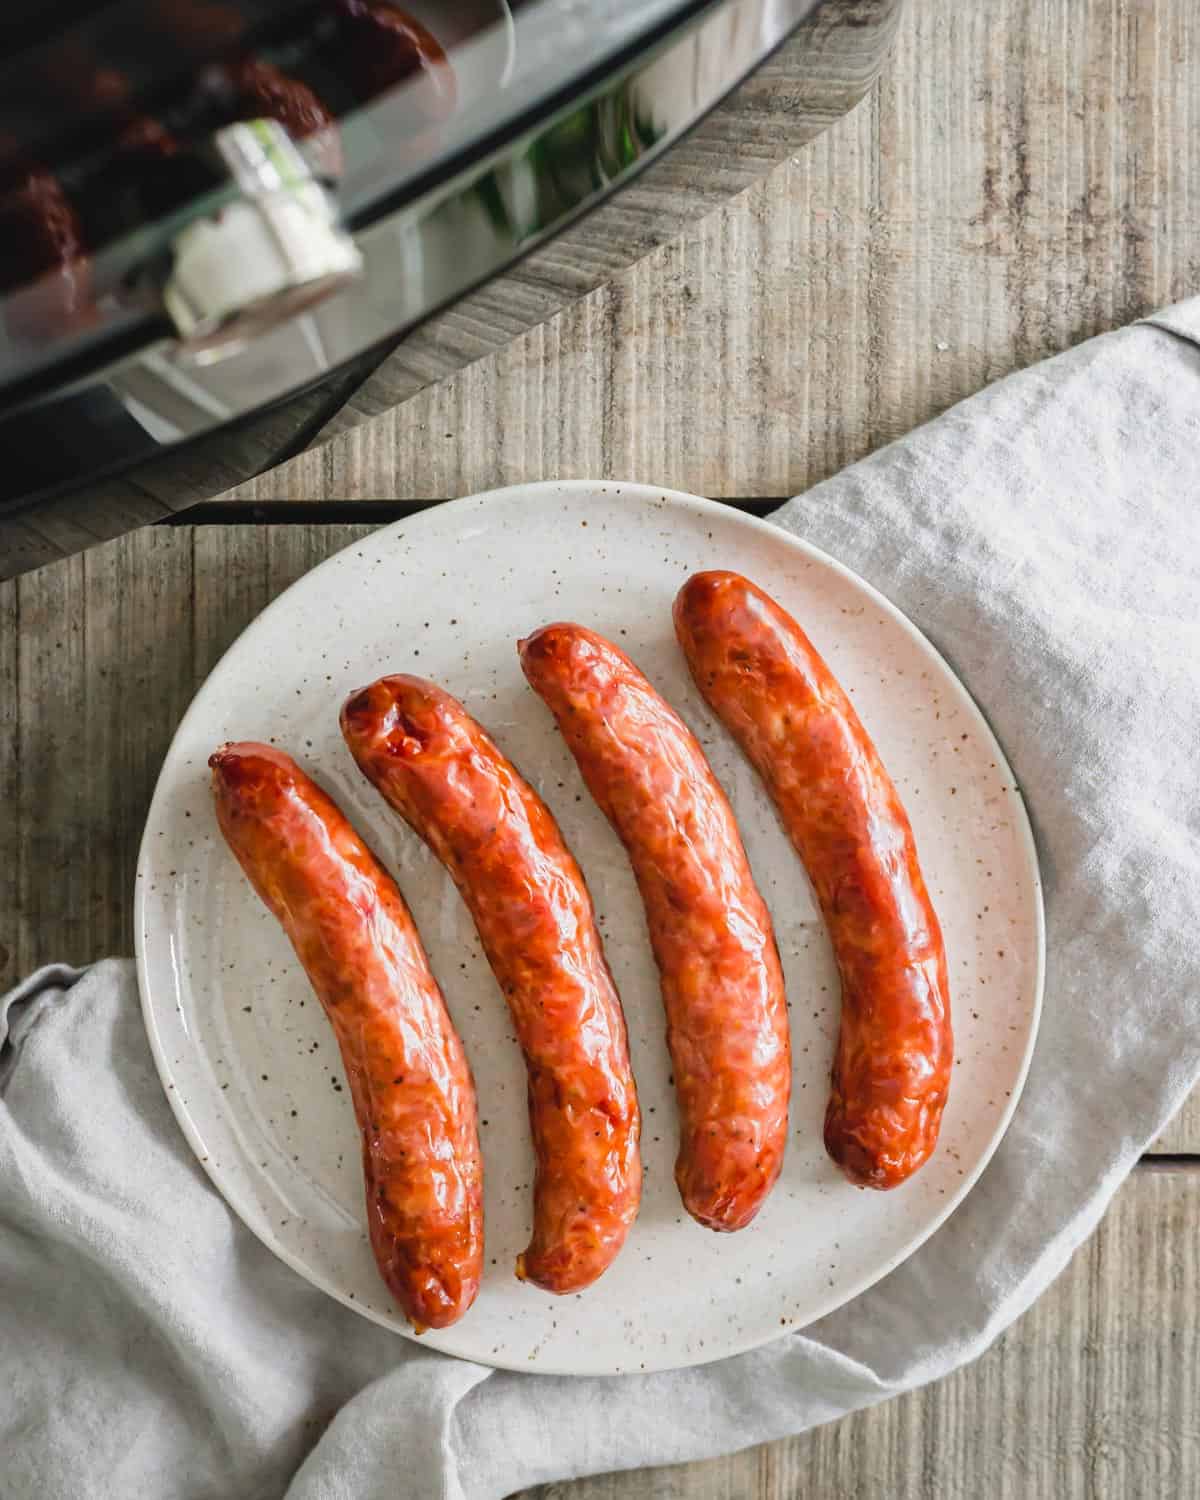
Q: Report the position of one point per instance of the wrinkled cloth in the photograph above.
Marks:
(1046, 536)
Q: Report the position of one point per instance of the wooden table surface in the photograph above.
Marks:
(1025, 175)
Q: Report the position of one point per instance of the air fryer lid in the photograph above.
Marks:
(111, 121)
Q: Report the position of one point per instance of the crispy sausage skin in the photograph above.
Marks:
(409, 1078)
(722, 985)
(440, 771)
(762, 676)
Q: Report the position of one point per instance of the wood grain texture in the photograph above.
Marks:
(1024, 176)
(823, 71)
(99, 657)
(1092, 1395)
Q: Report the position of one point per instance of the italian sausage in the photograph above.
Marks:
(410, 1083)
(440, 771)
(722, 985)
(766, 682)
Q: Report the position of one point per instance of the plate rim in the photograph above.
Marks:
(632, 492)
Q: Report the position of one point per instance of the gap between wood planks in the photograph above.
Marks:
(360, 512)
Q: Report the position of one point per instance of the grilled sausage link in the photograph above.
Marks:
(763, 677)
(440, 771)
(722, 985)
(409, 1079)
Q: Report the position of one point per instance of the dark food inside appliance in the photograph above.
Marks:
(379, 44)
(41, 241)
(103, 157)
(258, 90)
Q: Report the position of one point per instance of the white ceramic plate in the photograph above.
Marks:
(244, 1050)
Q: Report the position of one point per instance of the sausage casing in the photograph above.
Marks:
(441, 772)
(722, 985)
(413, 1095)
(764, 679)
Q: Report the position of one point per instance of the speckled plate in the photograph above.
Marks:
(252, 1071)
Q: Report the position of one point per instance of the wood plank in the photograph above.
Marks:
(1182, 1135)
(1092, 1394)
(100, 682)
(99, 657)
(1024, 176)
(809, 84)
